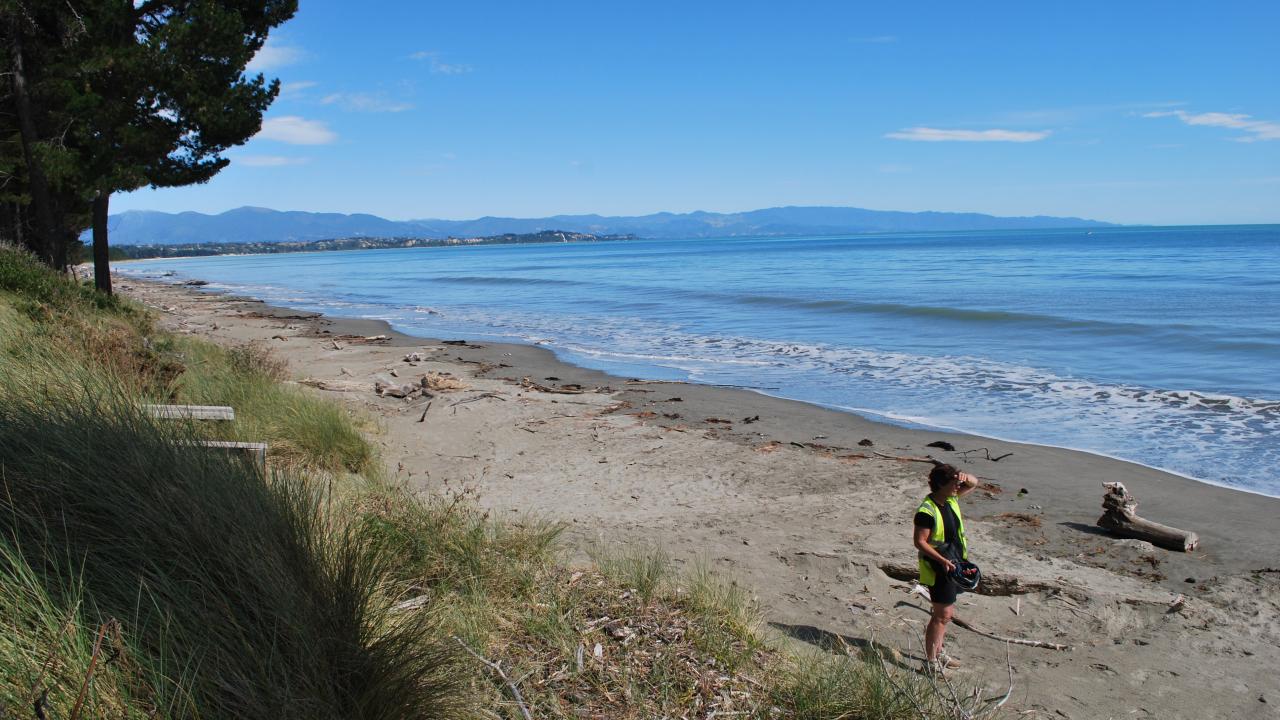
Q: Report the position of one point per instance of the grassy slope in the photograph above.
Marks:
(184, 584)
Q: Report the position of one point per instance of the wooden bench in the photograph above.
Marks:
(191, 412)
(256, 452)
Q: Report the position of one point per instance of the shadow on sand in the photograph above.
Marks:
(1087, 529)
(846, 645)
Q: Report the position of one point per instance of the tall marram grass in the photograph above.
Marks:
(240, 597)
(300, 429)
(47, 649)
(66, 327)
(22, 274)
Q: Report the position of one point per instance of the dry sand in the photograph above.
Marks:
(793, 507)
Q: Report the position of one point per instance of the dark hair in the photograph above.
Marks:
(942, 475)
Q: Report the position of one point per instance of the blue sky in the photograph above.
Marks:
(1134, 112)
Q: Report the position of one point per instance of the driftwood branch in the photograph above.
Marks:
(569, 389)
(923, 592)
(985, 451)
(515, 691)
(907, 458)
(1016, 641)
(1120, 516)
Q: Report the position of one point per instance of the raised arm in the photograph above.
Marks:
(968, 483)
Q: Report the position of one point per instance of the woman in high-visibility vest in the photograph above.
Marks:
(939, 536)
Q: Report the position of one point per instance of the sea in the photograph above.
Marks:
(1158, 345)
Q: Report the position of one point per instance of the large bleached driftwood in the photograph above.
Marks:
(1120, 516)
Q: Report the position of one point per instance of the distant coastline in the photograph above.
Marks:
(263, 225)
(144, 252)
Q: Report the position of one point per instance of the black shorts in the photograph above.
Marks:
(944, 589)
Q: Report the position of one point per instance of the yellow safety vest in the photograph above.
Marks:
(927, 575)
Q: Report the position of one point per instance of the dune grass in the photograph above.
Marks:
(142, 577)
(69, 330)
(300, 429)
(238, 594)
(47, 647)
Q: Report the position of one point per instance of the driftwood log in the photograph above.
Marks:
(1120, 516)
(993, 583)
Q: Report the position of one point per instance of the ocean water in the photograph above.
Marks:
(1157, 345)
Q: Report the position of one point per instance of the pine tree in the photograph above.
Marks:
(148, 93)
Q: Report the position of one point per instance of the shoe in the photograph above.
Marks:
(948, 662)
(935, 669)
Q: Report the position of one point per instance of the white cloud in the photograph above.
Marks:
(295, 88)
(877, 39)
(365, 102)
(267, 160)
(296, 131)
(273, 55)
(438, 66)
(927, 134)
(1255, 129)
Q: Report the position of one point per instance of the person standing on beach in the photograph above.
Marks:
(939, 537)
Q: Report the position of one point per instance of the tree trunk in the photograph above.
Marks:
(1121, 518)
(101, 254)
(41, 201)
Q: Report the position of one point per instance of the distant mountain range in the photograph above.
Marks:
(258, 225)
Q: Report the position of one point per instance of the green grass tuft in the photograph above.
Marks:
(641, 569)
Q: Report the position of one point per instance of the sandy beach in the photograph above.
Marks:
(798, 504)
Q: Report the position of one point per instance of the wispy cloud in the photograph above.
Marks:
(273, 55)
(365, 102)
(1072, 114)
(928, 134)
(293, 89)
(295, 130)
(438, 66)
(268, 160)
(1254, 130)
(877, 39)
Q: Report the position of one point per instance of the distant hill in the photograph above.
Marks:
(250, 225)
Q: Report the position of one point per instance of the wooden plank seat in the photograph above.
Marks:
(191, 412)
(256, 452)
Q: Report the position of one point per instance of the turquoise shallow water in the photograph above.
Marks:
(1157, 345)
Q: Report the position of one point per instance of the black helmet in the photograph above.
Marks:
(966, 575)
